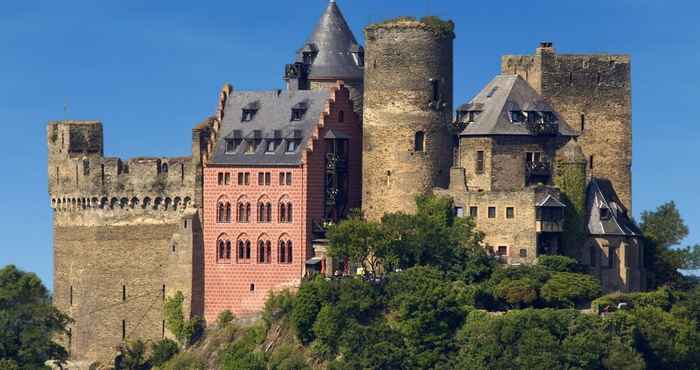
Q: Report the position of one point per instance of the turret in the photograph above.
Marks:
(407, 113)
(330, 54)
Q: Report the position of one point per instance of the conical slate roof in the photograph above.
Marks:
(334, 44)
(506, 93)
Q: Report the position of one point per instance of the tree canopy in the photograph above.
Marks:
(28, 322)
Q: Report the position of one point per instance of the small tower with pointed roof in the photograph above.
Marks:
(330, 54)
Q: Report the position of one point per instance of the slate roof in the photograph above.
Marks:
(334, 42)
(506, 93)
(601, 195)
(272, 121)
(547, 200)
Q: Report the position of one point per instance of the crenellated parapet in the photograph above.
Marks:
(81, 178)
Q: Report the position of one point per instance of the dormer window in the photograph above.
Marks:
(233, 141)
(248, 112)
(292, 145)
(605, 214)
(271, 146)
(308, 54)
(549, 117)
(232, 145)
(298, 111)
(358, 54)
(517, 116)
(467, 116)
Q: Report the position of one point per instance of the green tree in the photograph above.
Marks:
(560, 264)
(184, 330)
(567, 289)
(664, 229)
(362, 243)
(307, 305)
(28, 322)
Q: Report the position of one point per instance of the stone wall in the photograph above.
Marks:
(113, 268)
(593, 93)
(517, 233)
(123, 230)
(402, 57)
(618, 262)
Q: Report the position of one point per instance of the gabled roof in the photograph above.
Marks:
(334, 43)
(601, 195)
(271, 121)
(549, 201)
(506, 93)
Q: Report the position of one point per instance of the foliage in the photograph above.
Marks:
(665, 341)
(185, 361)
(241, 355)
(184, 330)
(362, 243)
(518, 293)
(567, 289)
(277, 306)
(306, 307)
(287, 358)
(662, 298)
(28, 322)
(571, 179)
(133, 356)
(225, 318)
(559, 264)
(663, 229)
(539, 339)
(427, 314)
(162, 351)
(431, 237)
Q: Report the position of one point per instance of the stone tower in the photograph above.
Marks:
(593, 93)
(330, 54)
(407, 113)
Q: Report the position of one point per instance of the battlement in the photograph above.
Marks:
(546, 69)
(80, 177)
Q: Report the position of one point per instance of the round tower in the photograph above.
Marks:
(407, 113)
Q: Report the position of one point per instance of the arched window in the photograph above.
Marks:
(220, 213)
(281, 255)
(164, 168)
(228, 249)
(289, 213)
(247, 249)
(261, 212)
(268, 251)
(222, 252)
(283, 213)
(241, 250)
(241, 212)
(247, 212)
(419, 144)
(228, 212)
(268, 212)
(261, 252)
(289, 251)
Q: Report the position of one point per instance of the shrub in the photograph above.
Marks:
(162, 351)
(568, 289)
(185, 361)
(186, 331)
(517, 293)
(662, 298)
(559, 264)
(306, 306)
(277, 306)
(287, 358)
(225, 318)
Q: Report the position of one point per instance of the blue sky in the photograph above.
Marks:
(151, 70)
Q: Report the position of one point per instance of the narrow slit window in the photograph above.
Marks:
(480, 162)
(583, 122)
(590, 162)
(124, 293)
(419, 144)
(123, 329)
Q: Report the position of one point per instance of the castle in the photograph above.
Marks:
(540, 159)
